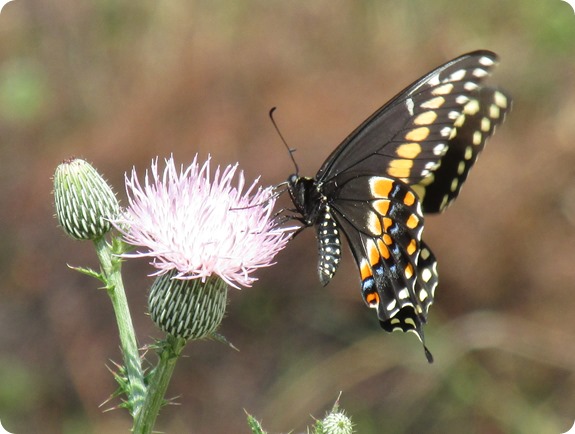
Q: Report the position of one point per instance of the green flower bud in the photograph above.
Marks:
(337, 423)
(189, 309)
(85, 202)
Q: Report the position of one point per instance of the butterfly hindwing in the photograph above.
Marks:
(382, 221)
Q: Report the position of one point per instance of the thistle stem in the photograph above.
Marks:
(168, 353)
(111, 273)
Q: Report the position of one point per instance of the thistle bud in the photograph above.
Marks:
(85, 202)
(336, 422)
(189, 309)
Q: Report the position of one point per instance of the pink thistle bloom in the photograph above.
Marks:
(199, 224)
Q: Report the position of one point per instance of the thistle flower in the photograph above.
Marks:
(198, 224)
(84, 201)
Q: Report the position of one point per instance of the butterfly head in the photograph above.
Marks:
(305, 197)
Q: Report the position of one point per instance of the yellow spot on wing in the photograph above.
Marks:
(459, 121)
(443, 90)
(477, 138)
(387, 239)
(471, 108)
(433, 103)
(494, 111)
(398, 172)
(410, 321)
(417, 134)
(454, 184)
(425, 254)
(425, 118)
(500, 99)
(408, 150)
(400, 168)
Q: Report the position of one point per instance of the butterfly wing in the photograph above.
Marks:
(382, 220)
(408, 137)
(481, 114)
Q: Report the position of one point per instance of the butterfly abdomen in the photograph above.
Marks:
(329, 246)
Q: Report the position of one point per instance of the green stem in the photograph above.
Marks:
(111, 271)
(168, 352)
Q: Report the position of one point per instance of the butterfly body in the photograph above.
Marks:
(408, 159)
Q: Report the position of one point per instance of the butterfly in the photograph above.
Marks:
(408, 159)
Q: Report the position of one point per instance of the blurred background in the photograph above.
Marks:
(119, 82)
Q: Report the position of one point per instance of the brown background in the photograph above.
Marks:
(121, 82)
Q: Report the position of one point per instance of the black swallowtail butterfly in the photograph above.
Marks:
(408, 159)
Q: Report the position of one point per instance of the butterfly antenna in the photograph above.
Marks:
(290, 150)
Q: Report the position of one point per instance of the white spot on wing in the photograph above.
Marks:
(457, 75)
(409, 104)
(486, 61)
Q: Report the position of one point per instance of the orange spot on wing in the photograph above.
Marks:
(409, 271)
(373, 254)
(383, 250)
(372, 298)
(387, 222)
(412, 221)
(365, 270)
(411, 247)
(380, 187)
(381, 206)
(409, 198)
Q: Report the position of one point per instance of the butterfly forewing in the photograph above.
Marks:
(407, 137)
(481, 114)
